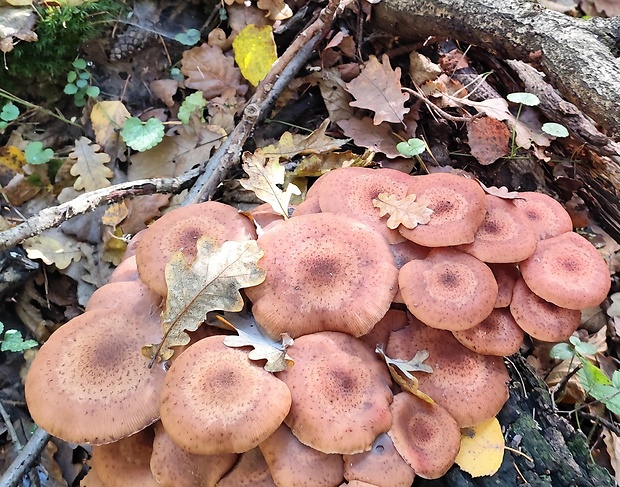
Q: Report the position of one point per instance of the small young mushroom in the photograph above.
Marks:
(251, 471)
(546, 216)
(498, 335)
(506, 275)
(127, 270)
(404, 252)
(129, 296)
(567, 271)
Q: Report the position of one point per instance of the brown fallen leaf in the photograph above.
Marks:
(90, 168)
(488, 139)
(500, 192)
(377, 138)
(406, 212)
(291, 145)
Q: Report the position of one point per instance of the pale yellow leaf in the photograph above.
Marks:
(90, 166)
(482, 448)
(406, 212)
(54, 248)
(107, 118)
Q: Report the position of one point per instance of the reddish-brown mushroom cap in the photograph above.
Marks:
(90, 383)
(567, 271)
(546, 216)
(294, 464)
(449, 289)
(216, 401)
(179, 230)
(458, 206)
(470, 386)
(264, 215)
(498, 335)
(127, 270)
(251, 471)
(307, 207)
(404, 252)
(393, 320)
(425, 435)
(381, 462)
(506, 275)
(504, 236)
(129, 296)
(540, 319)
(324, 272)
(341, 393)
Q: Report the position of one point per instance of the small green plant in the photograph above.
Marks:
(189, 38)
(142, 136)
(192, 103)
(79, 83)
(9, 113)
(593, 380)
(35, 153)
(411, 148)
(12, 341)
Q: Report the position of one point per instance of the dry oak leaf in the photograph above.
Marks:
(482, 448)
(90, 166)
(107, 117)
(488, 139)
(53, 247)
(209, 70)
(406, 212)
(211, 282)
(378, 88)
(266, 175)
(335, 96)
(377, 138)
(501, 192)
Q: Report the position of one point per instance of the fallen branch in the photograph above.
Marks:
(25, 459)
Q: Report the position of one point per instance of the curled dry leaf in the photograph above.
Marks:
(500, 192)
(401, 371)
(406, 212)
(291, 145)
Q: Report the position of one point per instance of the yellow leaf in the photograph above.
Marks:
(406, 212)
(114, 214)
(114, 247)
(482, 448)
(265, 176)
(12, 158)
(107, 118)
(211, 282)
(89, 166)
(53, 247)
(255, 52)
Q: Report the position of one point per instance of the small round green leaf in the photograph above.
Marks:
(81, 83)
(70, 89)
(555, 129)
(528, 99)
(562, 351)
(141, 136)
(71, 76)
(411, 148)
(9, 112)
(189, 38)
(84, 75)
(92, 91)
(193, 102)
(79, 63)
(35, 154)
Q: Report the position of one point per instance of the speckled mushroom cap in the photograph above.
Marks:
(458, 206)
(324, 272)
(567, 271)
(546, 216)
(381, 462)
(498, 335)
(127, 270)
(540, 319)
(174, 467)
(350, 191)
(91, 384)
(294, 464)
(449, 289)
(506, 275)
(504, 236)
(425, 435)
(216, 401)
(179, 230)
(251, 471)
(393, 320)
(126, 462)
(341, 393)
(404, 252)
(470, 386)
(129, 296)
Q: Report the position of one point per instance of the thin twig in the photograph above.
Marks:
(613, 427)
(9, 427)
(441, 112)
(25, 459)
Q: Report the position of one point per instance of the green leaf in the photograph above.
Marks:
(70, 89)
(79, 63)
(81, 83)
(582, 348)
(71, 76)
(3, 125)
(528, 99)
(14, 342)
(193, 102)
(142, 136)
(84, 75)
(35, 154)
(189, 38)
(562, 351)
(615, 379)
(9, 112)
(411, 148)
(92, 91)
(555, 129)
(79, 100)
(1, 327)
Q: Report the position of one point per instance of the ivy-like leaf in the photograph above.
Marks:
(140, 135)
(14, 342)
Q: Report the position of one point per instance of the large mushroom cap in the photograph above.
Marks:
(90, 383)
(216, 401)
(470, 386)
(449, 289)
(458, 206)
(129, 296)
(341, 393)
(179, 230)
(324, 272)
(567, 271)
(498, 335)
(546, 216)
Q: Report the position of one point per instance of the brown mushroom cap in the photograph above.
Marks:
(504, 236)
(92, 479)
(216, 401)
(179, 230)
(458, 206)
(425, 435)
(546, 216)
(540, 319)
(251, 471)
(126, 462)
(308, 206)
(381, 462)
(567, 271)
(90, 383)
(127, 270)
(264, 215)
(506, 275)
(404, 252)
(129, 296)
(470, 386)
(294, 464)
(174, 467)
(393, 320)
(324, 272)
(341, 393)
(449, 289)
(498, 335)
(351, 190)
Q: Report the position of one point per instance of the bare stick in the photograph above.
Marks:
(25, 459)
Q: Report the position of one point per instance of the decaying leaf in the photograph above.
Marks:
(488, 139)
(501, 192)
(316, 165)
(401, 371)
(53, 247)
(107, 117)
(406, 212)
(612, 442)
(211, 282)
(90, 166)
(265, 177)
(378, 138)
(264, 347)
(482, 448)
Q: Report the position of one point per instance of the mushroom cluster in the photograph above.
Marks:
(464, 287)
